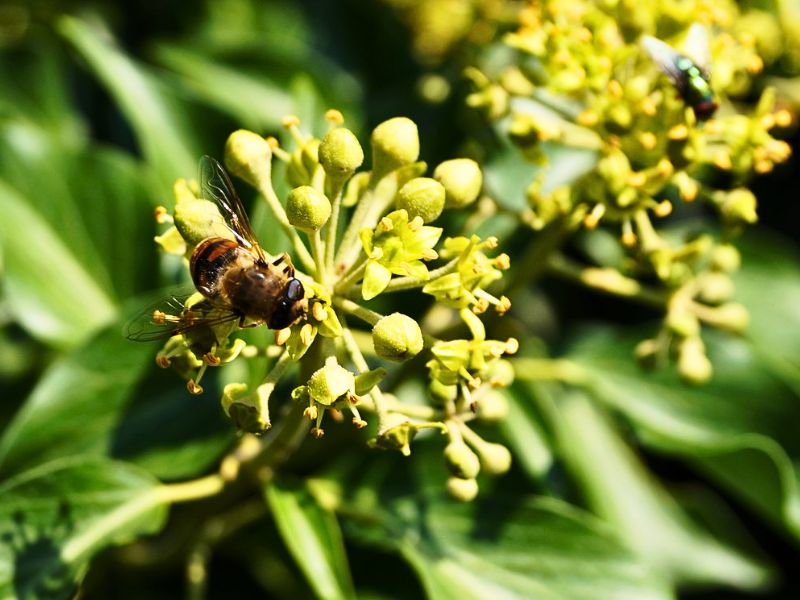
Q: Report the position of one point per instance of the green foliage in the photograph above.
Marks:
(592, 369)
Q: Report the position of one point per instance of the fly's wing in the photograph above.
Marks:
(216, 186)
(170, 316)
(698, 47)
(666, 57)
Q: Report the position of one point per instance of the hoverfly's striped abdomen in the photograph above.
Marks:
(209, 261)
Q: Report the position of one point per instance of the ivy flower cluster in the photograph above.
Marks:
(357, 235)
(580, 76)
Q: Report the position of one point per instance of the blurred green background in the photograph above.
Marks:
(104, 104)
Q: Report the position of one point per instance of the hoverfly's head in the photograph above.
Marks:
(291, 306)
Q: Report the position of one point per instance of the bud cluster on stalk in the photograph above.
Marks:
(578, 76)
(355, 235)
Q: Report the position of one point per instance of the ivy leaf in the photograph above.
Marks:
(618, 487)
(312, 535)
(79, 308)
(741, 427)
(156, 122)
(55, 517)
(498, 547)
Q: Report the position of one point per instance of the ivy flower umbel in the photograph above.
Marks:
(584, 75)
(322, 364)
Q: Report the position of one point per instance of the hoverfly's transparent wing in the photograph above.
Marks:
(697, 47)
(170, 316)
(216, 186)
(666, 57)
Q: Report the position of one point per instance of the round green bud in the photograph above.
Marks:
(394, 143)
(461, 461)
(693, 364)
(197, 220)
(732, 316)
(463, 490)
(397, 337)
(716, 287)
(307, 208)
(739, 207)
(248, 156)
(683, 322)
(492, 406)
(495, 458)
(331, 383)
(423, 197)
(462, 181)
(726, 258)
(340, 154)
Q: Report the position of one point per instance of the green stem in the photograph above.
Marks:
(318, 251)
(549, 369)
(400, 284)
(332, 230)
(350, 307)
(356, 273)
(186, 491)
(265, 188)
(264, 391)
(372, 204)
(607, 280)
(362, 366)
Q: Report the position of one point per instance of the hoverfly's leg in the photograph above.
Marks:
(285, 258)
(243, 325)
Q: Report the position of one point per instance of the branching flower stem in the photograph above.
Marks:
(362, 366)
(350, 307)
(266, 190)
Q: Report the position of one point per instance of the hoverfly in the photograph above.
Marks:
(690, 77)
(237, 280)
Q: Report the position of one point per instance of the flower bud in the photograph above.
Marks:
(307, 208)
(248, 156)
(461, 461)
(739, 206)
(693, 364)
(716, 288)
(394, 143)
(495, 458)
(682, 321)
(463, 490)
(492, 406)
(731, 316)
(340, 154)
(199, 219)
(726, 258)
(330, 383)
(423, 197)
(397, 337)
(462, 181)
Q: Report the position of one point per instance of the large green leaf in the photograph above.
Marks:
(621, 491)
(158, 124)
(255, 102)
(48, 289)
(768, 283)
(500, 546)
(312, 535)
(742, 426)
(55, 517)
(76, 404)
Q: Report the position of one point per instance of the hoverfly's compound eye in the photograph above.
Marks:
(294, 290)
